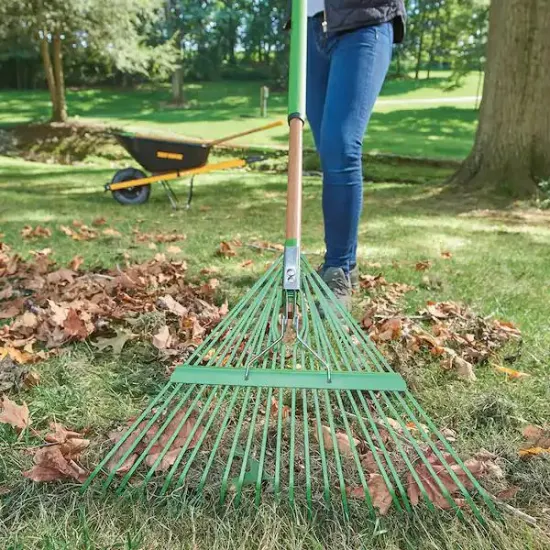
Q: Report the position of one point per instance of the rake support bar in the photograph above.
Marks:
(299, 379)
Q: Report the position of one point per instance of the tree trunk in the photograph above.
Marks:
(48, 71)
(177, 87)
(420, 46)
(512, 146)
(60, 105)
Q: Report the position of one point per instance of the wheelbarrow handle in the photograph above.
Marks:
(245, 133)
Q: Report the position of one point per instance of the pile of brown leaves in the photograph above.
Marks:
(49, 306)
(447, 330)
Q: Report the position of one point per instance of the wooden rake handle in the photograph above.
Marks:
(246, 133)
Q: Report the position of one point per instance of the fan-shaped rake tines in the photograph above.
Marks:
(288, 397)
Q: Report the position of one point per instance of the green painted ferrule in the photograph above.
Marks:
(291, 242)
(283, 378)
(298, 59)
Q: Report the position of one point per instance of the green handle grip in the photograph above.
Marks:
(298, 60)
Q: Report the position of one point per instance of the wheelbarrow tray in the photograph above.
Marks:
(160, 155)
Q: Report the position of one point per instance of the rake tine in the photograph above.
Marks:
(141, 435)
(197, 447)
(159, 433)
(239, 484)
(219, 437)
(263, 447)
(428, 421)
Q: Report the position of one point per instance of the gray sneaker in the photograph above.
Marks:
(336, 280)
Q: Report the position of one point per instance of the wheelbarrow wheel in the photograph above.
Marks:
(131, 195)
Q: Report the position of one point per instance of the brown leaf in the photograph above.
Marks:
(210, 270)
(167, 302)
(99, 221)
(173, 249)
(226, 250)
(6, 292)
(160, 444)
(60, 276)
(116, 342)
(76, 262)
(423, 265)
(536, 436)
(31, 379)
(38, 232)
(342, 441)
(508, 493)
(15, 415)
(285, 410)
(59, 313)
(446, 254)
(51, 464)
(162, 339)
(74, 326)
(247, 263)
(380, 495)
(61, 434)
(110, 232)
(464, 369)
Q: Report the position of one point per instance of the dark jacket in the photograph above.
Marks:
(346, 15)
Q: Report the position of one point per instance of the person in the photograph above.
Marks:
(349, 51)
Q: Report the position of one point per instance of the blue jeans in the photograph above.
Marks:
(345, 72)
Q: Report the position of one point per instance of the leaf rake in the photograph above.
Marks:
(288, 396)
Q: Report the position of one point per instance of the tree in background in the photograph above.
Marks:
(512, 146)
(113, 29)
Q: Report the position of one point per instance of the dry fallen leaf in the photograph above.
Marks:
(342, 441)
(225, 249)
(74, 326)
(446, 254)
(160, 445)
(99, 221)
(423, 265)
(162, 339)
(76, 262)
(285, 409)
(57, 461)
(511, 373)
(173, 249)
(116, 342)
(380, 496)
(15, 415)
(247, 263)
(167, 302)
(110, 232)
(29, 232)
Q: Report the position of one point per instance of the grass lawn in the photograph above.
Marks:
(418, 118)
(499, 267)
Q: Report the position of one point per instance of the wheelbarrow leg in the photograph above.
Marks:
(170, 194)
(190, 194)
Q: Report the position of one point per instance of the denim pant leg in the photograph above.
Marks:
(359, 61)
(317, 77)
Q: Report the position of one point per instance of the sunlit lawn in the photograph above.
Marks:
(406, 126)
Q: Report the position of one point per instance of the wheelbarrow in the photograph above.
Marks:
(168, 159)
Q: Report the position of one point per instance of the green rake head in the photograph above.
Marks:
(288, 397)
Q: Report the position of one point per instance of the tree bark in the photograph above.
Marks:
(177, 87)
(48, 70)
(512, 146)
(420, 45)
(60, 105)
